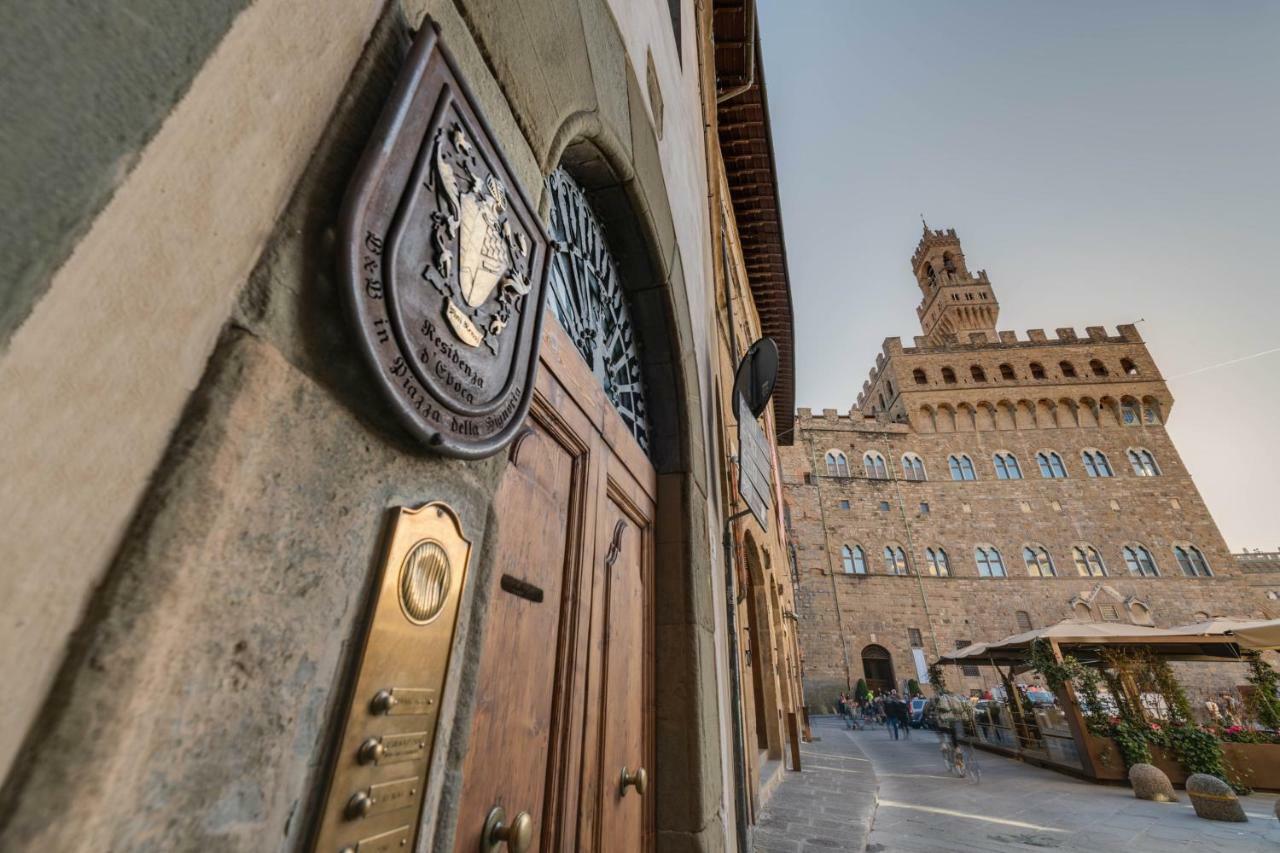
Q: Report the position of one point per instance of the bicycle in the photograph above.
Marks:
(959, 760)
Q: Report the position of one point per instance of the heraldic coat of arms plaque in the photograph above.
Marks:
(444, 261)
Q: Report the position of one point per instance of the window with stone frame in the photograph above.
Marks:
(948, 376)
(978, 374)
(1139, 562)
(919, 377)
(961, 467)
(935, 559)
(1023, 619)
(1109, 613)
(1051, 467)
(1068, 369)
(1191, 561)
(969, 669)
(989, 562)
(1038, 562)
(1128, 367)
(1088, 561)
(912, 467)
(914, 638)
(1097, 367)
(1037, 370)
(853, 560)
(873, 465)
(1006, 465)
(1143, 462)
(1096, 463)
(895, 560)
(1007, 373)
(837, 464)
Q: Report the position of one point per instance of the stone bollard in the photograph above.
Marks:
(1150, 783)
(1213, 799)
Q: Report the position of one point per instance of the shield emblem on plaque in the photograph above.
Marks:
(445, 262)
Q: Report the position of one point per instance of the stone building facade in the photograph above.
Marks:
(984, 484)
(201, 478)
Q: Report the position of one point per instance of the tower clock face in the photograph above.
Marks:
(586, 296)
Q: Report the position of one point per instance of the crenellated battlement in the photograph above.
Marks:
(931, 238)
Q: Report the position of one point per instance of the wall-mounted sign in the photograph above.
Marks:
(757, 374)
(444, 261)
(755, 469)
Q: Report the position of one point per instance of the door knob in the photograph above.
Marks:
(639, 778)
(518, 834)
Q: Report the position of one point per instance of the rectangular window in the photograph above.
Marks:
(844, 504)
(913, 636)
(968, 669)
(808, 479)
(924, 508)
(884, 506)
(1109, 613)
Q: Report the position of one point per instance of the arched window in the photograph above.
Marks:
(978, 374)
(837, 464)
(948, 263)
(1006, 373)
(961, 468)
(1140, 562)
(912, 467)
(1144, 464)
(1150, 412)
(1039, 564)
(1097, 367)
(1037, 370)
(1051, 467)
(1129, 368)
(1096, 463)
(948, 376)
(873, 464)
(854, 560)
(1007, 467)
(931, 275)
(920, 377)
(1024, 620)
(1129, 411)
(990, 564)
(936, 559)
(882, 402)
(895, 560)
(888, 387)
(1191, 561)
(1068, 369)
(1088, 562)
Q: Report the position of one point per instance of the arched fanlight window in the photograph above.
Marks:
(837, 464)
(948, 376)
(1038, 562)
(1139, 562)
(961, 468)
(895, 560)
(936, 560)
(1068, 369)
(1007, 467)
(990, 564)
(919, 377)
(1051, 467)
(978, 374)
(1006, 372)
(1191, 561)
(1037, 370)
(873, 464)
(587, 297)
(854, 560)
(1144, 464)
(1088, 561)
(1096, 463)
(1097, 367)
(912, 467)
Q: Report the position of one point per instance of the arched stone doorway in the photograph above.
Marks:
(877, 668)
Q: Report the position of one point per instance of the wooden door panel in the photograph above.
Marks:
(517, 730)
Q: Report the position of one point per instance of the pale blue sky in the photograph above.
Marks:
(1103, 161)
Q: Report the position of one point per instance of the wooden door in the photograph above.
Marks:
(563, 692)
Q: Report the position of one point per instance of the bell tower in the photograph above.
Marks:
(955, 303)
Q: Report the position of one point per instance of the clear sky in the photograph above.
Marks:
(1103, 161)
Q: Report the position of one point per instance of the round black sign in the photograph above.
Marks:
(757, 374)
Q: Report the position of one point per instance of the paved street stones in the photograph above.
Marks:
(1150, 783)
(1213, 799)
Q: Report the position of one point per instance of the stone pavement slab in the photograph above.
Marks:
(828, 805)
(1019, 807)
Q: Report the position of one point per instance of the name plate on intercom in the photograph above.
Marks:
(374, 798)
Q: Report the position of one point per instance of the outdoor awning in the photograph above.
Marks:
(1081, 638)
(1246, 633)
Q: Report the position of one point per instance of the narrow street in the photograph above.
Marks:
(852, 780)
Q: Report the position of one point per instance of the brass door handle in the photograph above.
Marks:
(639, 778)
(518, 834)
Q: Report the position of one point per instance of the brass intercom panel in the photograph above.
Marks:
(374, 797)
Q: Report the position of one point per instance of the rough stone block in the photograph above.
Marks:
(1150, 783)
(1213, 799)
